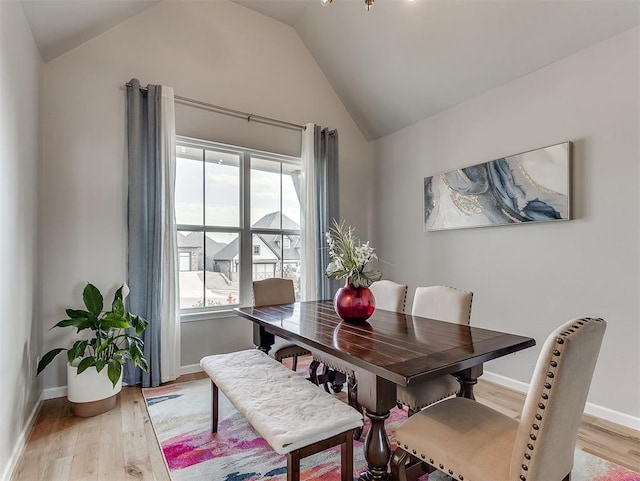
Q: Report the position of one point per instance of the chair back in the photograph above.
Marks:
(269, 292)
(546, 437)
(389, 295)
(443, 304)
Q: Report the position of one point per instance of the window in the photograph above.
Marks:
(238, 218)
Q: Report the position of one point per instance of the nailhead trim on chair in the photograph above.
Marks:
(441, 466)
(329, 364)
(418, 408)
(557, 353)
(404, 301)
(300, 352)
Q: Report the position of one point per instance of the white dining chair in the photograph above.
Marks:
(442, 303)
(389, 295)
(470, 441)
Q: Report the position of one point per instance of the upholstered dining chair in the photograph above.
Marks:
(389, 296)
(274, 291)
(468, 440)
(443, 304)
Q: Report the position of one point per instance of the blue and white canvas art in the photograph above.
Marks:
(529, 187)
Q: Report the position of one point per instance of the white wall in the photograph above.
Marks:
(217, 52)
(529, 279)
(20, 96)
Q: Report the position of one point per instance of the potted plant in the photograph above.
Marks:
(349, 260)
(94, 364)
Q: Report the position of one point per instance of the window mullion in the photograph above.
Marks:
(281, 214)
(246, 238)
(281, 227)
(204, 223)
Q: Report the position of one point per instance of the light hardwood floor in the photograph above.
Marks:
(121, 445)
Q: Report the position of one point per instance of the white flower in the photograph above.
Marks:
(349, 258)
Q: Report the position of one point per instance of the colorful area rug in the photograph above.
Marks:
(181, 416)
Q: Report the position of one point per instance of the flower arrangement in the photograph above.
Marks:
(349, 258)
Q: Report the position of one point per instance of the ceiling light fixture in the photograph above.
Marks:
(367, 3)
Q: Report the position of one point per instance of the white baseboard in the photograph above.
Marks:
(505, 381)
(54, 392)
(592, 409)
(22, 440)
(613, 416)
(190, 369)
(61, 391)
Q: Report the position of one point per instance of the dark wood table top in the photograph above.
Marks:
(401, 348)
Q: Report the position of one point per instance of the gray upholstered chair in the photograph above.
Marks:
(269, 292)
(443, 304)
(389, 296)
(470, 441)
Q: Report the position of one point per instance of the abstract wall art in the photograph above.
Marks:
(532, 186)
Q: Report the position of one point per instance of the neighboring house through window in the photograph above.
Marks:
(185, 260)
(238, 219)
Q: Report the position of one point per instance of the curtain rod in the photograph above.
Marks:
(245, 115)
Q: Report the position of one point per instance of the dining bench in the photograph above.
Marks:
(294, 416)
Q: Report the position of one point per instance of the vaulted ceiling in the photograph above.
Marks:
(402, 61)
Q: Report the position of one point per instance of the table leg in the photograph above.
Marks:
(377, 449)
(378, 397)
(262, 339)
(467, 379)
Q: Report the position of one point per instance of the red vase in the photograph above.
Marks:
(354, 304)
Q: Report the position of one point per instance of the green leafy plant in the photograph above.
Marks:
(112, 343)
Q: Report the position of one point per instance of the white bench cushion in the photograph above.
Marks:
(288, 411)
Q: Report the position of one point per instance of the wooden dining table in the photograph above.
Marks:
(389, 349)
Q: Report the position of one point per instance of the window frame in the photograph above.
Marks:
(245, 231)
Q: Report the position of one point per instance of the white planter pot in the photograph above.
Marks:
(91, 392)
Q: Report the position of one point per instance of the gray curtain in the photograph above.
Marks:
(326, 158)
(144, 222)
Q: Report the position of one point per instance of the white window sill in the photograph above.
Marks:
(206, 316)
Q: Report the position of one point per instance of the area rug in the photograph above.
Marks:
(181, 416)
